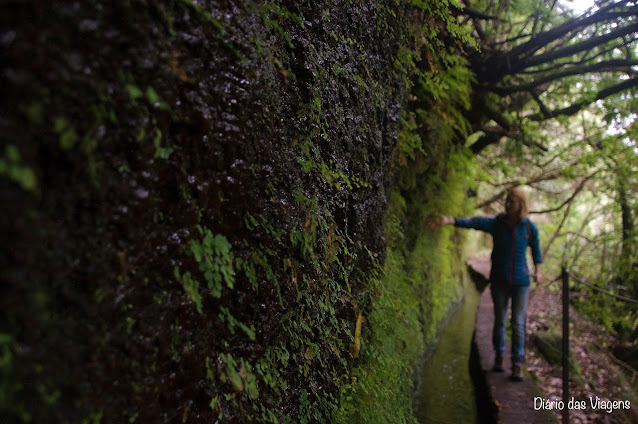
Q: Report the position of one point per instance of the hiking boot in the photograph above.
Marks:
(498, 364)
(517, 373)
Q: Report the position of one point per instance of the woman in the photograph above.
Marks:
(512, 233)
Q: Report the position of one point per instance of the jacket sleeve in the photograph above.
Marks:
(535, 244)
(477, 223)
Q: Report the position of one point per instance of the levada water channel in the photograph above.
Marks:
(446, 394)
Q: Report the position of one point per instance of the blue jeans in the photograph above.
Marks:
(501, 294)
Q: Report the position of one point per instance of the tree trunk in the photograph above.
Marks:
(628, 258)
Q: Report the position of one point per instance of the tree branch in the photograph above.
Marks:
(621, 65)
(547, 37)
(569, 200)
(510, 40)
(576, 48)
(544, 110)
(566, 214)
(484, 141)
(511, 184)
(576, 107)
(583, 224)
(576, 62)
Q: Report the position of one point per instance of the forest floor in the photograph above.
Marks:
(595, 374)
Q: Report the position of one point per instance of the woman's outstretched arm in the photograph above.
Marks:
(442, 220)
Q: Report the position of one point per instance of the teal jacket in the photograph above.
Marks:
(509, 261)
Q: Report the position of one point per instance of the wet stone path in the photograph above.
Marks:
(514, 401)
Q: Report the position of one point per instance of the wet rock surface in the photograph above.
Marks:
(140, 127)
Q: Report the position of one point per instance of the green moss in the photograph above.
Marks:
(414, 294)
(424, 268)
(12, 167)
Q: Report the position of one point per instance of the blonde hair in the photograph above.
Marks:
(521, 195)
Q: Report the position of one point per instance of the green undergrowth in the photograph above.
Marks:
(424, 271)
(417, 290)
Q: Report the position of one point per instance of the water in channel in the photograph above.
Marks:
(446, 394)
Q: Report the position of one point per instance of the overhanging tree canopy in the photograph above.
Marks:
(538, 60)
(548, 86)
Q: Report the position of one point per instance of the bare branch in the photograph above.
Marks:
(577, 47)
(578, 61)
(495, 130)
(544, 110)
(581, 104)
(484, 141)
(557, 232)
(579, 188)
(533, 143)
(499, 118)
(586, 220)
(515, 183)
(618, 65)
(511, 40)
(560, 31)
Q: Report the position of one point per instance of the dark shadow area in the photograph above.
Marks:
(485, 405)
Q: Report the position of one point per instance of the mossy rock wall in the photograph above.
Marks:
(194, 207)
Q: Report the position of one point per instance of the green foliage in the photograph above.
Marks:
(422, 278)
(148, 104)
(191, 5)
(68, 135)
(225, 316)
(297, 310)
(95, 418)
(312, 335)
(422, 272)
(610, 314)
(12, 168)
(274, 14)
(191, 287)
(215, 260)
